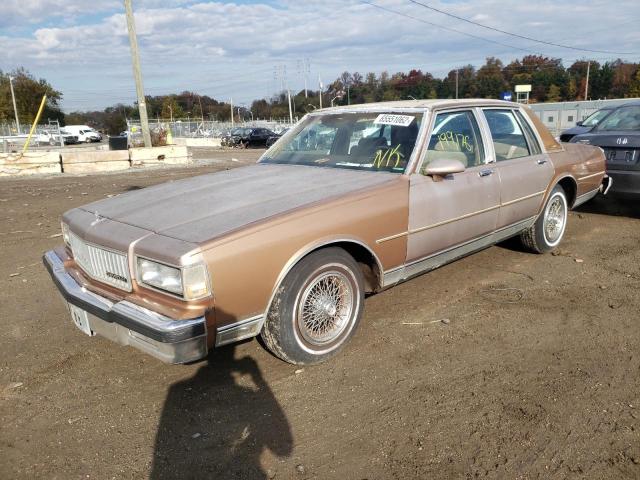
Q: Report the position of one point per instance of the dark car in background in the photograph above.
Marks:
(618, 134)
(247, 137)
(586, 125)
(275, 137)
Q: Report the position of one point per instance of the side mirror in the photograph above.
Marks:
(579, 123)
(441, 167)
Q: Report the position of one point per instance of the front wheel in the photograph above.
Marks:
(547, 232)
(316, 309)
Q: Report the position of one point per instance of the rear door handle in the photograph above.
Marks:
(542, 161)
(485, 173)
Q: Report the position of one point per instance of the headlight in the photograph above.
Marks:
(188, 282)
(65, 233)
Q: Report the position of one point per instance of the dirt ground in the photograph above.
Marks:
(501, 365)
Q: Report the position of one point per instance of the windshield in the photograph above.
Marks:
(593, 119)
(365, 141)
(241, 131)
(623, 118)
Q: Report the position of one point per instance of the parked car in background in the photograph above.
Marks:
(586, 125)
(247, 137)
(275, 137)
(352, 201)
(68, 137)
(84, 133)
(618, 134)
(46, 138)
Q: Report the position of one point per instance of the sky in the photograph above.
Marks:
(239, 49)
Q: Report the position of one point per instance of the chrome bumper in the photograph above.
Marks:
(172, 341)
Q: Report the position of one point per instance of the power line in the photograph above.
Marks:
(514, 34)
(389, 10)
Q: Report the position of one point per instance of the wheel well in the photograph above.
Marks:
(570, 188)
(366, 260)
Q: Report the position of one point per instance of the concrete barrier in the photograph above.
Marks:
(198, 142)
(170, 155)
(95, 161)
(29, 163)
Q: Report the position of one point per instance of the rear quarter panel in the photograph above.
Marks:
(584, 163)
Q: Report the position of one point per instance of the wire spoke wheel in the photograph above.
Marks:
(555, 219)
(325, 308)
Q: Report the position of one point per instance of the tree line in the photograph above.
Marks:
(551, 81)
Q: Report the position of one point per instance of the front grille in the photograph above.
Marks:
(101, 264)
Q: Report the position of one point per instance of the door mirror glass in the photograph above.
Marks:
(441, 167)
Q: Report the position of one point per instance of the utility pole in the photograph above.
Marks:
(457, 83)
(290, 111)
(137, 74)
(231, 102)
(321, 87)
(586, 85)
(15, 109)
(304, 68)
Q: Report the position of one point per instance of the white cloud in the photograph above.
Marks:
(226, 49)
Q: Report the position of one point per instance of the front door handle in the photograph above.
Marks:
(542, 161)
(485, 173)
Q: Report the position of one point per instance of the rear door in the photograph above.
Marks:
(524, 170)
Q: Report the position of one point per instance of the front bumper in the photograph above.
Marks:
(172, 341)
(625, 181)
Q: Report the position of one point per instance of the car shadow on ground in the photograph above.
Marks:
(613, 204)
(218, 423)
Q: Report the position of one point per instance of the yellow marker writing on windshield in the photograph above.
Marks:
(389, 157)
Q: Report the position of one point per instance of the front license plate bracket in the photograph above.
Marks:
(80, 319)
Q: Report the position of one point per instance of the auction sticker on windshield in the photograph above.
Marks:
(392, 119)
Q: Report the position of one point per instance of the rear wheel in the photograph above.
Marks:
(547, 232)
(316, 309)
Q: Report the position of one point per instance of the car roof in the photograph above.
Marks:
(635, 103)
(418, 104)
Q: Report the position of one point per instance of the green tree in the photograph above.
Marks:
(171, 108)
(28, 92)
(553, 94)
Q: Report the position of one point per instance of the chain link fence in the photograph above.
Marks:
(44, 136)
(190, 128)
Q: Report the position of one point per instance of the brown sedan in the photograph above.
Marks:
(351, 201)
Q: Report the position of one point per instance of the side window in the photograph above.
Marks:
(509, 141)
(534, 146)
(456, 136)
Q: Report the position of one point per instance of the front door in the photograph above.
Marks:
(524, 171)
(448, 215)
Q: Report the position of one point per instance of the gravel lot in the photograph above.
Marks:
(501, 365)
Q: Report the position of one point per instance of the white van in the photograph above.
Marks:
(84, 133)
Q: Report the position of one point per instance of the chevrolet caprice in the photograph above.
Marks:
(351, 201)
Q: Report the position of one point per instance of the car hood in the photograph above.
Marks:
(622, 138)
(205, 207)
